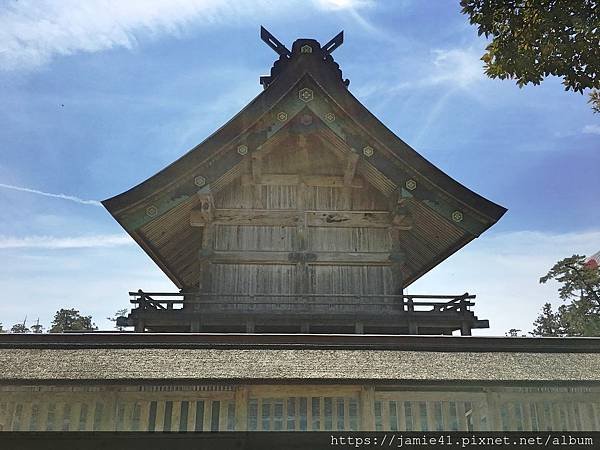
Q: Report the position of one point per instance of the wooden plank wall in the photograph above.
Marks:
(304, 180)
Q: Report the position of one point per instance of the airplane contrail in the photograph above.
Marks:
(49, 194)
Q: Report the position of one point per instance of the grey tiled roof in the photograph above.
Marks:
(284, 364)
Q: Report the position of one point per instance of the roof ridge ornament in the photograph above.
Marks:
(334, 43)
(272, 42)
(300, 47)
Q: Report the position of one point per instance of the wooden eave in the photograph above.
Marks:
(257, 123)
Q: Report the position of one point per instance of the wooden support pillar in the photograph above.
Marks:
(359, 328)
(493, 408)
(204, 257)
(527, 424)
(140, 326)
(250, 326)
(413, 328)
(302, 284)
(305, 328)
(367, 408)
(465, 328)
(256, 168)
(241, 408)
(203, 216)
(195, 326)
(349, 174)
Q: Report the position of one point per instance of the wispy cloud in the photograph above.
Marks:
(432, 115)
(49, 194)
(54, 243)
(33, 32)
(344, 4)
(591, 129)
(460, 67)
(452, 68)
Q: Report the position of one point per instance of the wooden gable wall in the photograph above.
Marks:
(300, 219)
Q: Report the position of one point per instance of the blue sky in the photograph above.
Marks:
(97, 96)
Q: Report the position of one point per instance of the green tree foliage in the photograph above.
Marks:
(119, 313)
(532, 39)
(37, 328)
(580, 290)
(71, 320)
(19, 328)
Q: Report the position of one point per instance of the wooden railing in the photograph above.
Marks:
(165, 301)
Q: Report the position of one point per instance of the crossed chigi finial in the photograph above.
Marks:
(282, 50)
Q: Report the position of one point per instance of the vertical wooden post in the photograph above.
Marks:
(74, 417)
(413, 328)
(385, 415)
(367, 408)
(144, 414)
(349, 173)
(493, 408)
(207, 249)
(256, 167)
(526, 409)
(140, 325)
(176, 416)
(109, 412)
(241, 408)
(465, 328)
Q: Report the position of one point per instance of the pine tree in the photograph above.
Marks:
(580, 290)
(71, 320)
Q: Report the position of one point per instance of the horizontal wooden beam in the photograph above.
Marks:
(292, 180)
(240, 216)
(283, 217)
(278, 257)
(349, 219)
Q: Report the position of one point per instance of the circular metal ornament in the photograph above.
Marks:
(457, 216)
(306, 49)
(242, 149)
(305, 94)
(199, 180)
(411, 184)
(282, 116)
(330, 117)
(151, 211)
(368, 151)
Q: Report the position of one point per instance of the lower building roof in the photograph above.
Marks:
(133, 358)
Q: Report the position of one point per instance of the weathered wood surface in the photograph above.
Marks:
(272, 217)
(279, 257)
(300, 219)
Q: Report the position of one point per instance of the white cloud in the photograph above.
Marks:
(94, 281)
(503, 270)
(52, 243)
(343, 4)
(451, 69)
(459, 67)
(32, 32)
(591, 129)
(49, 194)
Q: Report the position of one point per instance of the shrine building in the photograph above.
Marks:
(291, 234)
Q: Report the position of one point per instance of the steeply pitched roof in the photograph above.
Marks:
(446, 214)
